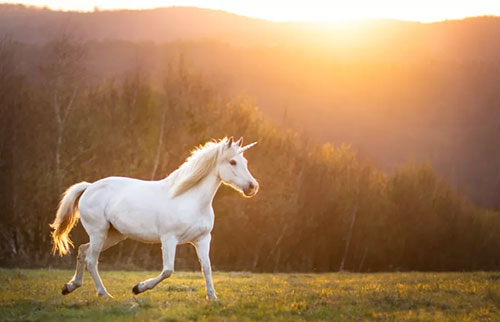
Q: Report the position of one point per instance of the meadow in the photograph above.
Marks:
(34, 295)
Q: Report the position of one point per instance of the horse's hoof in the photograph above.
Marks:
(105, 295)
(65, 290)
(135, 289)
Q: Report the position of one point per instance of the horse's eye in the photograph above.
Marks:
(232, 162)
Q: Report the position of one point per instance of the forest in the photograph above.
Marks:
(323, 205)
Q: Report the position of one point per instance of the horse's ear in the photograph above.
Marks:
(229, 142)
(239, 143)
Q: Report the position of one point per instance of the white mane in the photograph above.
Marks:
(196, 167)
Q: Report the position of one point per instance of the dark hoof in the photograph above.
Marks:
(135, 290)
(65, 290)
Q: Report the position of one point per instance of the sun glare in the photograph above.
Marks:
(312, 10)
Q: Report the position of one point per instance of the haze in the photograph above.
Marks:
(315, 10)
(378, 140)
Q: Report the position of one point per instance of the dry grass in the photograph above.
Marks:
(34, 295)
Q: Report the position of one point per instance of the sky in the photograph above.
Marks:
(306, 10)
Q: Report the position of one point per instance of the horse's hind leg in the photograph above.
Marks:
(114, 237)
(100, 241)
(97, 240)
(77, 279)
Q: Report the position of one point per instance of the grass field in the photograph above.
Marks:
(34, 295)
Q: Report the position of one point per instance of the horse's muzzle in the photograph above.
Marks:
(251, 189)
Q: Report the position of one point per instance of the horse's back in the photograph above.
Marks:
(125, 203)
(101, 188)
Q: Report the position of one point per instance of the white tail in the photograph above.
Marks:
(66, 218)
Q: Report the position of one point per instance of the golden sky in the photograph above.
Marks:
(306, 10)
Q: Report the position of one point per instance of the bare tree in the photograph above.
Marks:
(354, 213)
(64, 75)
(8, 83)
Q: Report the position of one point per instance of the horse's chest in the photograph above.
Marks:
(195, 230)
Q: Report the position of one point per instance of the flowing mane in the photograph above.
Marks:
(196, 167)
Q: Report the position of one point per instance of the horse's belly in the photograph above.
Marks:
(141, 228)
(144, 239)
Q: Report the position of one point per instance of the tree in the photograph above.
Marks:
(64, 75)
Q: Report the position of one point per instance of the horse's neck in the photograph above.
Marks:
(204, 192)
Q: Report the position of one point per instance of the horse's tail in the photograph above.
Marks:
(66, 218)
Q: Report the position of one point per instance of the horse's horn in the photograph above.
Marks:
(246, 147)
(239, 143)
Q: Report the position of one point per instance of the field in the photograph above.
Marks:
(34, 295)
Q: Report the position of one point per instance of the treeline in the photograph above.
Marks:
(321, 206)
(395, 90)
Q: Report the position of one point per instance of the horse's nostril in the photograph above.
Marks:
(250, 185)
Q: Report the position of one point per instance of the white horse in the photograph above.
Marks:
(172, 211)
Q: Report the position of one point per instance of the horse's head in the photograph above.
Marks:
(233, 170)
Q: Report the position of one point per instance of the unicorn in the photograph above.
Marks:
(172, 211)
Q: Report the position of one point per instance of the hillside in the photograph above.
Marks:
(158, 25)
(474, 38)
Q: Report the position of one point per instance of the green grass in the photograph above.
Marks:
(34, 295)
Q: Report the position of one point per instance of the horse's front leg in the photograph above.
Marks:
(168, 246)
(203, 250)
